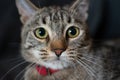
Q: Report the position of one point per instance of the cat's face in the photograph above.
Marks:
(55, 37)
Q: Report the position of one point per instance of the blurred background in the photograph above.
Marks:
(103, 21)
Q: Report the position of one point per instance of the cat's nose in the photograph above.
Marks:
(58, 52)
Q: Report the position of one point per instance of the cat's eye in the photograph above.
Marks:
(73, 32)
(41, 33)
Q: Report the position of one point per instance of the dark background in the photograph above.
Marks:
(103, 21)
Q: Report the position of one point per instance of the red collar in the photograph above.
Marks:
(45, 71)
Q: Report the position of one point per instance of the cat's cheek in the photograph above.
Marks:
(35, 53)
(64, 56)
(27, 45)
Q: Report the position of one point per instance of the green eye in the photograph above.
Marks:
(41, 33)
(73, 32)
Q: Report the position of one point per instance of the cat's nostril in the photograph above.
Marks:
(58, 52)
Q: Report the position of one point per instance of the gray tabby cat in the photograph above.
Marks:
(57, 38)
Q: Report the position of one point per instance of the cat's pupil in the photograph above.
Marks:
(72, 31)
(41, 31)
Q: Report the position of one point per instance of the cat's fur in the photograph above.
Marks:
(79, 61)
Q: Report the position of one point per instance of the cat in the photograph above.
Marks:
(56, 41)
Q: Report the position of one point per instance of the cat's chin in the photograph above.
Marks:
(55, 64)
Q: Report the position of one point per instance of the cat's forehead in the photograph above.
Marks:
(55, 17)
(54, 14)
(52, 17)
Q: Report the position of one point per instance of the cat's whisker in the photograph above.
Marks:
(94, 58)
(87, 65)
(12, 59)
(18, 57)
(18, 61)
(90, 68)
(73, 65)
(86, 59)
(87, 68)
(91, 58)
(23, 71)
(12, 70)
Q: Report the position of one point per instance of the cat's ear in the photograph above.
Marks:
(81, 8)
(26, 9)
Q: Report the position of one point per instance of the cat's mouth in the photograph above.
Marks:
(56, 63)
(58, 58)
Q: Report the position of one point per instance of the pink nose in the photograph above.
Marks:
(58, 52)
